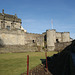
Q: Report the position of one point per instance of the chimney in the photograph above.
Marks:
(2, 11)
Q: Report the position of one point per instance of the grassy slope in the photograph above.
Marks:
(15, 63)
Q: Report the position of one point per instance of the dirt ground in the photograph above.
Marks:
(38, 70)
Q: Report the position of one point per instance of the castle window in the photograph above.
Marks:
(57, 40)
(45, 38)
(33, 41)
(8, 27)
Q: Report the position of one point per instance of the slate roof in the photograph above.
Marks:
(9, 17)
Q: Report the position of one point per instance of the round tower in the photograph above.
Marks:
(51, 39)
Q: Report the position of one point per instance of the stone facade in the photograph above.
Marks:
(53, 38)
(12, 34)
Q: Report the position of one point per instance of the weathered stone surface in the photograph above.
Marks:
(61, 46)
(11, 33)
(17, 49)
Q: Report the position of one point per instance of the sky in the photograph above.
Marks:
(36, 15)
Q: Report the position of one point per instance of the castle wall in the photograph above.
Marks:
(65, 37)
(40, 40)
(17, 48)
(61, 46)
(31, 38)
(17, 25)
(58, 36)
(11, 38)
(16, 40)
(12, 35)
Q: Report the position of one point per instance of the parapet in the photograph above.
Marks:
(50, 30)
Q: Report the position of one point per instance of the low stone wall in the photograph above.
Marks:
(61, 46)
(19, 48)
(50, 48)
(30, 48)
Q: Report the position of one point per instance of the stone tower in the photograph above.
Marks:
(51, 39)
(65, 37)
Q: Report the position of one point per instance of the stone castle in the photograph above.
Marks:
(13, 36)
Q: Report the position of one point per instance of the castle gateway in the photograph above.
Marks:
(13, 38)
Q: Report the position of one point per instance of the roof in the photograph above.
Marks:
(9, 17)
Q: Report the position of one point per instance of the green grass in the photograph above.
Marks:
(15, 63)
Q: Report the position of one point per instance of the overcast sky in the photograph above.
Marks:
(36, 15)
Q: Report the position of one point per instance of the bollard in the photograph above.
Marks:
(27, 64)
(46, 60)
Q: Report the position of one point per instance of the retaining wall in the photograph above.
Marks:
(61, 46)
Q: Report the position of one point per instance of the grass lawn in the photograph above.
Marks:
(15, 63)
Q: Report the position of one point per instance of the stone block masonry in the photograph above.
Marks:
(11, 38)
(14, 39)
